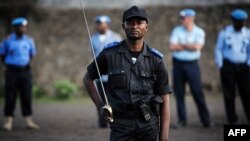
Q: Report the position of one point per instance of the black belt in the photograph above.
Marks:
(228, 62)
(127, 115)
(131, 112)
(184, 62)
(18, 68)
(128, 107)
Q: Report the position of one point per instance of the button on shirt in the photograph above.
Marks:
(233, 46)
(182, 36)
(17, 51)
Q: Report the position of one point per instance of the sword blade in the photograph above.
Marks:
(93, 52)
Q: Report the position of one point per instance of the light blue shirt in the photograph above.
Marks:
(17, 51)
(182, 36)
(100, 40)
(233, 46)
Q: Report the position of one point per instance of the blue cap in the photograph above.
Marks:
(19, 21)
(239, 14)
(103, 19)
(187, 13)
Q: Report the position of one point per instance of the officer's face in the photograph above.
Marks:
(20, 30)
(238, 24)
(101, 27)
(186, 21)
(135, 28)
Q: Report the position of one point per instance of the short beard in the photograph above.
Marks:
(238, 28)
(134, 38)
(19, 34)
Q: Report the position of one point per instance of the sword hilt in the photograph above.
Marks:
(107, 112)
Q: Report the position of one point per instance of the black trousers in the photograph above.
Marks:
(18, 82)
(233, 77)
(128, 132)
(101, 119)
(189, 72)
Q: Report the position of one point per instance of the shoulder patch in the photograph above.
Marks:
(111, 45)
(156, 52)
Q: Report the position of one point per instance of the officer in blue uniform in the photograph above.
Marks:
(138, 83)
(232, 57)
(186, 42)
(16, 51)
(102, 37)
(103, 34)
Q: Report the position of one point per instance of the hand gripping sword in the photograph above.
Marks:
(106, 109)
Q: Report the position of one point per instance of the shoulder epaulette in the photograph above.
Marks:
(156, 52)
(111, 45)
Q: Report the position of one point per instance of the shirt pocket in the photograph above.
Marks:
(228, 42)
(245, 45)
(117, 79)
(147, 75)
(147, 80)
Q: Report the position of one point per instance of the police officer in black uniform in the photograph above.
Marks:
(138, 81)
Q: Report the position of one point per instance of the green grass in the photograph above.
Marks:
(50, 99)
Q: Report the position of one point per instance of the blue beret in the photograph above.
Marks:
(103, 18)
(239, 14)
(19, 21)
(187, 13)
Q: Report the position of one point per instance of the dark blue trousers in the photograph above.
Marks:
(233, 77)
(189, 72)
(18, 81)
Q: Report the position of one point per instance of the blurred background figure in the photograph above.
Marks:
(16, 51)
(186, 42)
(103, 34)
(102, 37)
(232, 57)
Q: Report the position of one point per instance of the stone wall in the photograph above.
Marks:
(65, 4)
(63, 44)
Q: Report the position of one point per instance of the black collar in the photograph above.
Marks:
(124, 49)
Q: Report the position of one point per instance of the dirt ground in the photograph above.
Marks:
(78, 122)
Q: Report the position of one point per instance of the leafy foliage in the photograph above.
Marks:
(37, 91)
(65, 89)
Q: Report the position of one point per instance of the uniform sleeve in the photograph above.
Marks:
(102, 64)
(162, 83)
(32, 48)
(218, 50)
(248, 49)
(3, 49)
(201, 37)
(248, 54)
(174, 37)
(95, 46)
